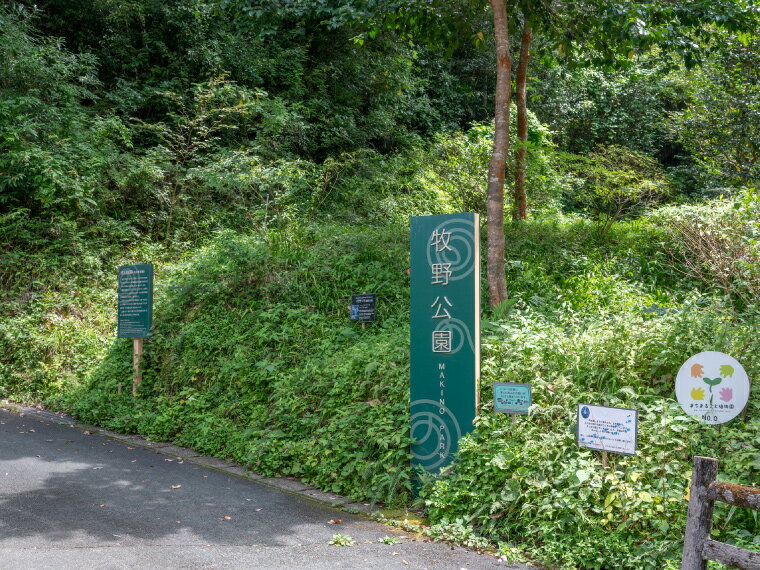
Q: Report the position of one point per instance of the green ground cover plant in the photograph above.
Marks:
(269, 173)
(253, 358)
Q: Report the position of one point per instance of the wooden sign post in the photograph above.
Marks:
(137, 352)
(135, 312)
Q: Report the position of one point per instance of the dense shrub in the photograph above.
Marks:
(253, 358)
(718, 246)
(456, 166)
(618, 183)
(719, 126)
(529, 485)
(590, 107)
(51, 149)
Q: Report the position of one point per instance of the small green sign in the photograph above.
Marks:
(135, 301)
(445, 335)
(510, 398)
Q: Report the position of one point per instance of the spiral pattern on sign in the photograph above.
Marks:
(428, 425)
(461, 241)
(460, 333)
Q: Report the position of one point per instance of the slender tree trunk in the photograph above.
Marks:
(497, 282)
(520, 211)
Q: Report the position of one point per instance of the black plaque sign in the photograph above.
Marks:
(363, 308)
(135, 300)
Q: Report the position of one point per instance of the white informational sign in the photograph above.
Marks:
(712, 387)
(608, 429)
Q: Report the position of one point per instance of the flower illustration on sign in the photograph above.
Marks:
(712, 382)
(712, 387)
(697, 370)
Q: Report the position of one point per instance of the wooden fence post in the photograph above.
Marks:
(137, 354)
(699, 518)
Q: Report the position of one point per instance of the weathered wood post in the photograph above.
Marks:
(699, 517)
(137, 354)
(135, 317)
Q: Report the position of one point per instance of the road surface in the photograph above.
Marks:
(73, 498)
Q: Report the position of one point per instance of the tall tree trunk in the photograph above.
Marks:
(520, 211)
(497, 282)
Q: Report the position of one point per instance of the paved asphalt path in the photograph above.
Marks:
(70, 499)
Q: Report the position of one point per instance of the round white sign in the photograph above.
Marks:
(712, 387)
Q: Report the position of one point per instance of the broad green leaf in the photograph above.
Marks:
(582, 475)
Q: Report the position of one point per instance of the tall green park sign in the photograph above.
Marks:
(135, 301)
(445, 334)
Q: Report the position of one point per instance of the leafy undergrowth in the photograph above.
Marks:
(528, 485)
(253, 358)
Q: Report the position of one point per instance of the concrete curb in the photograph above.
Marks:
(287, 484)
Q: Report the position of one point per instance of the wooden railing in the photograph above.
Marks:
(698, 547)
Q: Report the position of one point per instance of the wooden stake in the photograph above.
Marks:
(604, 459)
(119, 387)
(136, 360)
(699, 517)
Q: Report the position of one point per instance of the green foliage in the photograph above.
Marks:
(719, 127)
(196, 126)
(620, 183)
(340, 96)
(267, 165)
(50, 151)
(530, 485)
(718, 246)
(342, 540)
(590, 321)
(253, 358)
(590, 107)
(457, 166)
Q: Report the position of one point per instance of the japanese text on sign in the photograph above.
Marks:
(363, 307)
(444, 334)
(135, 301)
(607, 429)
(510, 398)
(712, 387)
